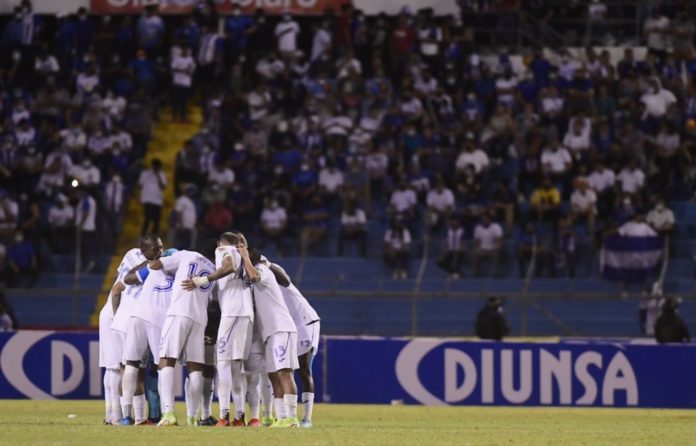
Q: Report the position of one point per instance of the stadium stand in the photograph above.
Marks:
(507, 110)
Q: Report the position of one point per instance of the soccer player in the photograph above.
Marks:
(183, 333)
(308, 324)
(110, 342)
(279, 333)
(144, 330)
(211, 329)
(259, 387)
(236, 325)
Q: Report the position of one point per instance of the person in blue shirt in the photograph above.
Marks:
(143, 69)
(541, 67)
(304, 182)
(21, 261)
(288, 156)
(150, 29)
(236, 27)
(189, 33)
(315, 223)
(84, 32)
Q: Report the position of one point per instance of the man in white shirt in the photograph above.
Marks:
(279, 333)
(472, 156)
(631, 178)
(183, 332)
(274, 220)
(152, 183)
(452, 257)
(583, 201)
(321, 42)
(185, 218)
(601, 181)
(440, 201)
(183, 66)
(488, 240)
(236, 325)
(330, 179)
(403, 201)
(74, 138)
(286, 32)
(308, 328)
(61, 220)
(657, 99)
(661, 218)
(86, 173)
(144, 330)
(656, 29)
(259, 102)
(506, 87)
(353, 227)
(221, 174)
(636, 227)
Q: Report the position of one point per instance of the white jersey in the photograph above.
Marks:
(154, 298)
(190, 304)
(233, 293)
(271, 310)
(133, 258)
(300, 309)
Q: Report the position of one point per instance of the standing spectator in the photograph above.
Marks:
(21, 261)
(61, 220)
(452, 258)
(661, 218)
(403, 201)
(183, 67)
(330, 179)
(274, 221)
(430, 38)
(185, 217)
(86, 221)
(488, 242)
(656, 28)
(397, 248)
(113, 204)
(286, 33)
(150, 28)
(564, 248)
(490, 322)
(152, 183)
(403, 38)
(221, 174)
(353, 227)
(321, 42)
(217, 219)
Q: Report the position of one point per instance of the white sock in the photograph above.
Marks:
(187, 395)
(254, 395)
(238, 390)
(139, 403)
(207, 408)
(279, 405)
(307, 405)
(107, 396)
(129, 384)
(115, 403)
(125, 408)
(290, 401)
(166, 379)
(266, 395)
(224, 386)
(195, 393)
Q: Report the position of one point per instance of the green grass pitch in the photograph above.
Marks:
(47, 423)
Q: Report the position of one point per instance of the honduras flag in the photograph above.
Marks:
(630, 259)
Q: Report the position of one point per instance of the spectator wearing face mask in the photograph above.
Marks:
(286, 33)
(661, 218)
(61, 223)
(274, 221)
(490, 322)
(22, 262)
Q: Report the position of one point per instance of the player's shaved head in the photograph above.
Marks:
(151, 246)
(255, 256)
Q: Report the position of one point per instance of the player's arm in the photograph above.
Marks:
(133, 277)
(281, 276)
(116, 291)
(228, 267)
(252, 273)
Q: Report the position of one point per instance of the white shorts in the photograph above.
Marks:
(256, 363)
(281, 352)
(182, 337)
(142, 338)
(234, 338)
(108, 357)
(118, 340)
(308, 338)
(210, 356)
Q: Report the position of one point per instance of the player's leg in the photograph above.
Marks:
(139, 401)
(135, 346)
(238, 393)
(174, 333)
(307, 382)
(278, 402)
(194, 351)
(224, 387)
(207, 418)
(240, 346)
(253, 384)
(152, 393)
(287, 380)
(115, 402)
(266, 399)
(106, 360)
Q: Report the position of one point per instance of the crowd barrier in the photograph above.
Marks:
(430, 371)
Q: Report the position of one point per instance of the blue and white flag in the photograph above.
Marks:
(630, 259)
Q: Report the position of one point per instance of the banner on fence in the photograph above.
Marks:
(431, 371)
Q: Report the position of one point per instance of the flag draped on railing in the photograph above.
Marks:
(629, 259)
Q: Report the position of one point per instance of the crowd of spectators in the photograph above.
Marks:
(327, 129)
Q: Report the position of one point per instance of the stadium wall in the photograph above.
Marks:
(430, 371)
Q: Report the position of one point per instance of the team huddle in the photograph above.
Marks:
(239, 317)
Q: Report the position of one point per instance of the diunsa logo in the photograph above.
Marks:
(525, 376)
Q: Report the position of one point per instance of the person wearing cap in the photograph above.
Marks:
(670, 327)
(490, 321)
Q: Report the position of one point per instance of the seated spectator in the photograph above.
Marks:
(502, 205)
(403, 202)
(184, 219)
(397, 249)
(556, 161)
(304, 183)
(9, 211)
(472, 156)
(601, 181)
(636, 227)
(21, 262)
(330, 179)
(577, 139)
(61, 224)
(274, 221)
(217, 219)
(657, 99)
(546, 201)
(315, 219)
(661, 218)
(353, 228)
(440, 202)
(221, 174)
(669, 326)
(488, 243)
(631, 179)
(452, 257)
(583, 203)
(490, 322)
